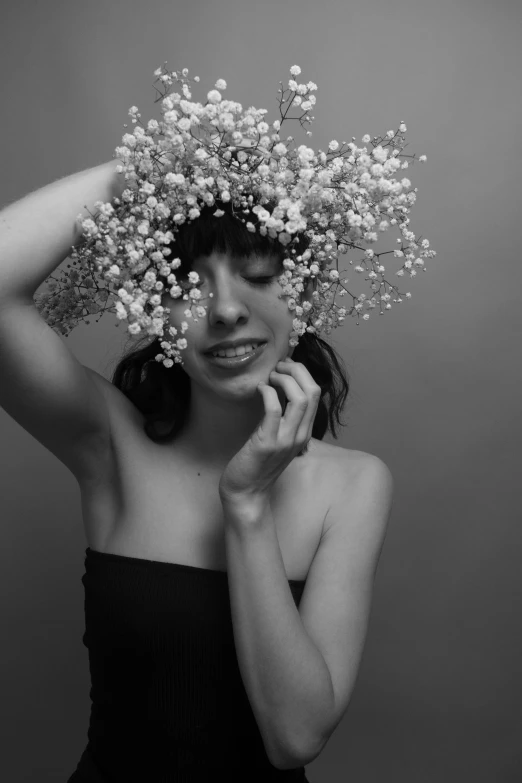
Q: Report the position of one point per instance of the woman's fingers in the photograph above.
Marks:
(303, 395)
(273, 413)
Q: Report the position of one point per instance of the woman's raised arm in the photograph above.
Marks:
(38, 231)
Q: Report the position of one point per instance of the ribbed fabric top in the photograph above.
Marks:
(168, 701)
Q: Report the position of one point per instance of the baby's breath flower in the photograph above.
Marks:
(280, 149)
(339, 203)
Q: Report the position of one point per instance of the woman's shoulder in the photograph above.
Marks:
(341, 468)
(344, 476)
(340, 457)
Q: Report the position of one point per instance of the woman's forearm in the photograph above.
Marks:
(285, 676)
(37, 232)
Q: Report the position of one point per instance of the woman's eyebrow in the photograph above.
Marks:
(262, 262)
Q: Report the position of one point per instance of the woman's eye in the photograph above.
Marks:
(260, 280)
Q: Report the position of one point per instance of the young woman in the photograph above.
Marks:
(231, 553)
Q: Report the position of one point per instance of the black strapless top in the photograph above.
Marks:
(168, 704)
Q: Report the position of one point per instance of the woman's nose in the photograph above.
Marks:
(226, 305)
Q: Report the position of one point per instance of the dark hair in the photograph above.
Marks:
(162, 394)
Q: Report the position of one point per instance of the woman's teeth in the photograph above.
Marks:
(239, 351)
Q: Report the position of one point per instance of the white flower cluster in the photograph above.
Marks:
(206, 154)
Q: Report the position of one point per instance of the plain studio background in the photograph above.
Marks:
(435, 381)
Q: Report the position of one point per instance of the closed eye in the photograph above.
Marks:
(253, 281)
(260, 280)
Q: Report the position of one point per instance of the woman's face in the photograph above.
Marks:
(242, 306)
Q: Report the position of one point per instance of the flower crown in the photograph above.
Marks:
(219, 154)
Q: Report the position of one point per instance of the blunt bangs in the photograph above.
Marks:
(225, 235)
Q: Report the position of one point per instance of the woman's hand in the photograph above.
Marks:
(251, 473)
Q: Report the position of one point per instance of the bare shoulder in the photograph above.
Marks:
(108, 389)
(355, 479)
(121, 413)
(117, 403)
(346, 465)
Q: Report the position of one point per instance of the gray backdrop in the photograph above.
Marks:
(435, 381)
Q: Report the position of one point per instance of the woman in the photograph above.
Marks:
(231, 553)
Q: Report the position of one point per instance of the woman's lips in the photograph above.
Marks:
(232, 362)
